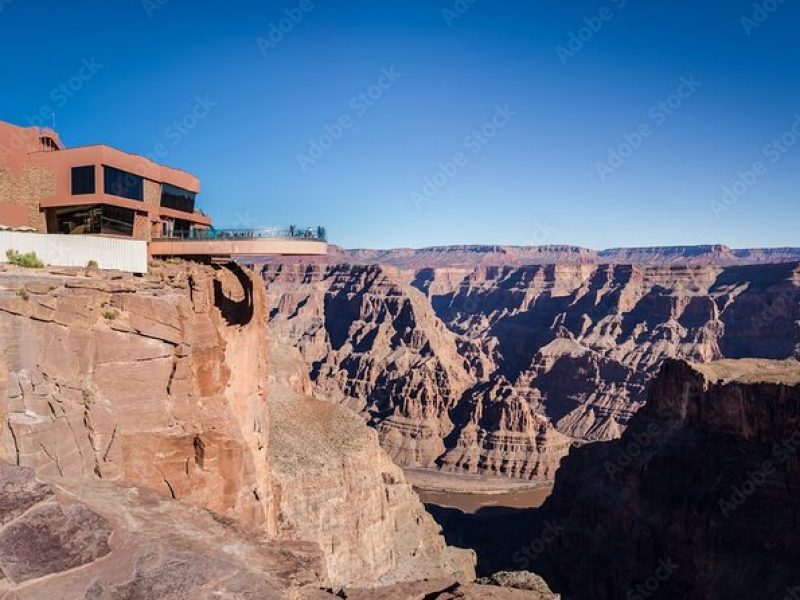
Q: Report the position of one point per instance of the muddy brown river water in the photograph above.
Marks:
(470, 493)
(472, 502)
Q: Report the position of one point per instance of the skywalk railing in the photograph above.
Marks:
(290, 232)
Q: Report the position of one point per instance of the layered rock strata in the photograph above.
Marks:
(700, 498)
(473, 256)
(161, 382)
(87, 538)
(496, 369)
(151, 381)
(332, 483)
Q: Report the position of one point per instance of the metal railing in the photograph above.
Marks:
(290, 232)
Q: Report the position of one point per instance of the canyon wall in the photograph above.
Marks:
(165, 382)
(700, 498)
(151, 381)
(332, 483)
(499, 369)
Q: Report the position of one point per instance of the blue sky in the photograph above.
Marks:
(413, 123)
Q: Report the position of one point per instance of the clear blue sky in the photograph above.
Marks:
(558, 111)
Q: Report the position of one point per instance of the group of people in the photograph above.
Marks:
(308, 232)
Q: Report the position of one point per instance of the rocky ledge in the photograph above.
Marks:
(97, 540)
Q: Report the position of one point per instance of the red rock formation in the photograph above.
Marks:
(700, 498)
(471, 257)
(94, 539)
(154, 382)
(503, 436)
(161, 382)
(576, 344)
(385, 352)
(333, 484)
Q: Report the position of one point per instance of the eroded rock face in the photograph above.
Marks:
(157, 382)
(161, 382)
(332, 483)
(504, 436)
(497, 369)
(374, 344)
(40, 536)
(700, 498)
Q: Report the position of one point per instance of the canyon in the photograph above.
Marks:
(156, 442)
(495, 255)
(208, 430)
(464, 367)
(699, 498)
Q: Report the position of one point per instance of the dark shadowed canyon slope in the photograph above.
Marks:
(700, 498)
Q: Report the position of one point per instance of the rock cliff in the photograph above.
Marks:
(92, 539)
(497, 369)
(332, 483)
(152, 381)
(161, 382)
(700, 498)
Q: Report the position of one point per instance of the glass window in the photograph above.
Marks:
(82, 180)
(79, 221)
(97, 220)
(177, 198)
(116, 221)
(123, 184)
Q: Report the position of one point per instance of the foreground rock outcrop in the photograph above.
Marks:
(92, 539)
(700, 498)
(157, 382)
(161, 382)
(499, 369)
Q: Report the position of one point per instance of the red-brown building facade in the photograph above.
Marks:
(91, 189)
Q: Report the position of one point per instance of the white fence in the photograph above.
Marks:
(77, 250)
